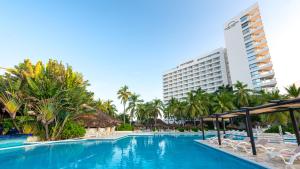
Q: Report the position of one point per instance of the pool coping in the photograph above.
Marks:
(108, 139)
(232, 154)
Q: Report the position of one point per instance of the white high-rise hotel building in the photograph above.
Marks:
(248, 53)
(246, 59)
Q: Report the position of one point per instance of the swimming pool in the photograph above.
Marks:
(136, 152)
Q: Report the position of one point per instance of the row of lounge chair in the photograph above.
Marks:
(287, 156)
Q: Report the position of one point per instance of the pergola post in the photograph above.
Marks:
(249, 126)
(218, 129)
(246, 127)
(223, 123)
(295, 125)
(202, 128)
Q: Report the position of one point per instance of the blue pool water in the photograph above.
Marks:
(140, 152)
(12, 141)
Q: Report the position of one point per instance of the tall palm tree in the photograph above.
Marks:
(132, 105)
(11, 104)
(123, 95)
(242, 94)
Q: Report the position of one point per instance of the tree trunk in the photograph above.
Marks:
(124, 114)
(155, 123)
(15, 125)
(46, 131)
(194, 122)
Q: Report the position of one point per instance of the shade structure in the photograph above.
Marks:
(275, 106)
(97, 120)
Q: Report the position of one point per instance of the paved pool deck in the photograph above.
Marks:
(261, 157)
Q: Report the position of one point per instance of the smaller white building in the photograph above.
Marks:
(208, 72)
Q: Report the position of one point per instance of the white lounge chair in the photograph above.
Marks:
(286, 155)
(260, 146)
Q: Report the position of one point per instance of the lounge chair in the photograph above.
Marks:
(260, 145)
(286, 155)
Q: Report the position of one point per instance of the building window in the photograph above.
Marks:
(245, 24)
(246, 31)
(253, 66)
(244, 18)
(254, 74)
(251, 58)
(248, 44)
(247, 37)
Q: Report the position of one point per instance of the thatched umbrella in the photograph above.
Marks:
(97, 120)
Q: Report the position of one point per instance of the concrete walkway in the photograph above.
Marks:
(261, 157)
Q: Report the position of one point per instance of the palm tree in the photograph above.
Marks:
(106, 107)
(133, 102)
(11, 104)
(124, 95)
(170, 108)
(293, 91)
(223, 102)
(242, 94)
(192, 107)
(46, 111)
(155, 109)
(204, 101)
(142, 113)
(110, 108)
(181, 111)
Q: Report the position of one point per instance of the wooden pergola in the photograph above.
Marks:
(274, 106)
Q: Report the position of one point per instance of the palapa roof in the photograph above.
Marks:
(272, 107)
(98, 120)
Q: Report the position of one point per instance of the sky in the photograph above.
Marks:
(132, 42)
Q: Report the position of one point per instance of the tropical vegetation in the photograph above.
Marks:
(46, 99)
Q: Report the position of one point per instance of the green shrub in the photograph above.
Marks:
(181, 129)
(194, 129)
(275, 129)
(125, 127)
(72, 130)
(7, 125)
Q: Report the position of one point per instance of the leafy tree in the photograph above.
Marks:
(11, 104)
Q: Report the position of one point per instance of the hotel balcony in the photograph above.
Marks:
(269, 74)
(255, 23)
(268, 83)
(259, 28)
(258, 44)
(265, 66)
(260, 51)
(260, 59)
(259, 36)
